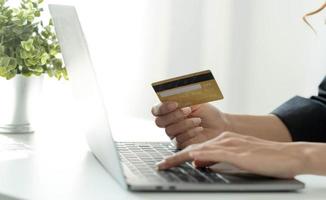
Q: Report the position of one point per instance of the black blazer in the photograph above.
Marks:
(305, 118)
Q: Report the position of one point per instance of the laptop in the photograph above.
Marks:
(132, 164)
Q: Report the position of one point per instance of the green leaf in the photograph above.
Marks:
(10, 75)
(3, 71)
(13, 63)
(4, 61)
(2, 17)
(27, 45)
(24, 54)
(44, 58)
(2, 50)
(32, 61)
(57, 63)
(50, 72)
(58, 74)
(65, 73)
(35, 4)
(38, 69)
(37, 13)
(53, 52)
(26, 72)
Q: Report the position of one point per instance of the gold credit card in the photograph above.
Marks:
(188, 90)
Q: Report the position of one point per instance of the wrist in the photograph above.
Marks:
(266, 127)
(312, 154)
(300, 150)
(229, 122)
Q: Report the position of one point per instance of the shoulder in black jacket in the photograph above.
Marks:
(305, 118)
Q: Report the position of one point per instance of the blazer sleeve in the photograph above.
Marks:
(305, 118)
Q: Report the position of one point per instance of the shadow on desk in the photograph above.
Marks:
(5, 197)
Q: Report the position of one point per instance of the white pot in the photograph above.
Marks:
(18, 103)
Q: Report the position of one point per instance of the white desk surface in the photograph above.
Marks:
(62, 167)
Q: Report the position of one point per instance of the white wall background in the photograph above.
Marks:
(260, 51)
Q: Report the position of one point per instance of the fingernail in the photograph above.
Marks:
(160, 165)
(172, 105)
(193, 163)
(155, 110)
(186, 111)
(196, 120)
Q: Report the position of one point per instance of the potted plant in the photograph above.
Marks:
(28, 50)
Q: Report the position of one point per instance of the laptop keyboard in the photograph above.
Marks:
(141, 158)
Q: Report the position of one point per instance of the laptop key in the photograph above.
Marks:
(182, 176)
(215, 177)
(170, 177)
(195, 173)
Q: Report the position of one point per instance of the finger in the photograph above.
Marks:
(215, 156)
(200, 164)
(183, 137)
(174, 160)
(195, 140)
(164, 108)
(182, 126)
(172, 117)
(195, 107)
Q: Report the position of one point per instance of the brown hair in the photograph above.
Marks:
(313, 13)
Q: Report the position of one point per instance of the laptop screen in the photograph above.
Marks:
(93, 114)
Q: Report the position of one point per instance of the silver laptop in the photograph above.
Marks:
(132, 163)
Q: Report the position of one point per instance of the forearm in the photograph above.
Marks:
(268, 127)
